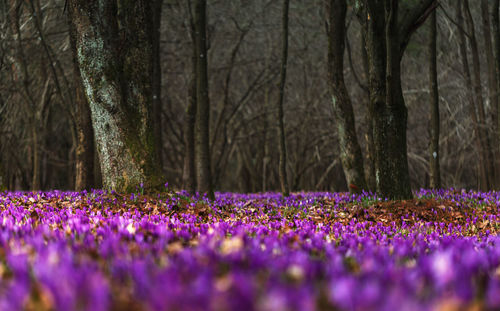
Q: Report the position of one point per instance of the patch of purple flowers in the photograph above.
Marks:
(80, 251)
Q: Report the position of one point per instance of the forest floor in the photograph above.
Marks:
(100, 250)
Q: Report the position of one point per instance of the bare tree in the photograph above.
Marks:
(36, 109)
(115, 47)
(189, 169)
(434, 168)
(387, 35)
(202, 136)
(492, 76)
(155, 13)
(350, 151)
(496, 48)
(285, 189)
(84, 153)
(473, 82)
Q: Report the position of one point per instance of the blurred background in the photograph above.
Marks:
(39, 113)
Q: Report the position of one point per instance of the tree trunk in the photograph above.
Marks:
(496, 44)
(97, 169)
(388, 107)
(387, 36)
(114, 51)
(490, 60)
(202, 148)
(266, 159)
(370, 148)
(435, 173)
(36, 178)
(156, 7)
(189, 171)
(473, 82)
(492, 91)
(84, 154)
(391, 119)
(483, 179)
(25, 83)
(478, 95)
(3, 181)
(350, 151)
(285, 188)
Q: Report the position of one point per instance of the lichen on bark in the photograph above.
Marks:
(114, 55)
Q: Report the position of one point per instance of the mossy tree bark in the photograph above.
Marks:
(202, 148)
(435, 172)
(350, 151)
(387, 35)
(114, 42)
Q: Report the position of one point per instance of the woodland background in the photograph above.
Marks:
(39, 112)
